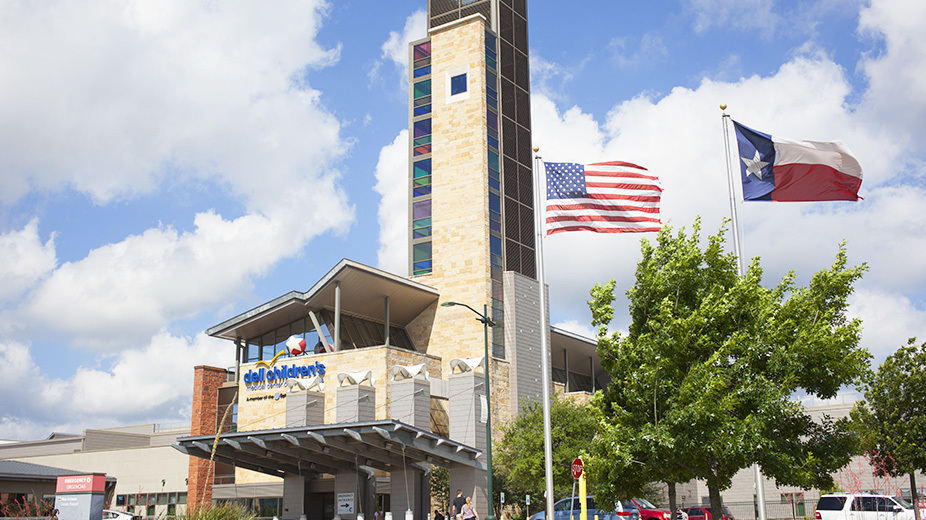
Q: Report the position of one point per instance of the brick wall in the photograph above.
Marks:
(206, 383)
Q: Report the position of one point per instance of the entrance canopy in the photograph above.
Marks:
(311, 451)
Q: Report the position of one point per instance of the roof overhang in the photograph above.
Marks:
(580, 351)
(310, 451)
(364, 290)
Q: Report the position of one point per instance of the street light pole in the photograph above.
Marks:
(486, 322)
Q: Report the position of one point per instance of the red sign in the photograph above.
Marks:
(95, 483)
(577, 468)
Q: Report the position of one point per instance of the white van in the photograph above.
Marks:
(863, 506)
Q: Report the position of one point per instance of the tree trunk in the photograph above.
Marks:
(916, 499)
(672, 499)
(713, 490)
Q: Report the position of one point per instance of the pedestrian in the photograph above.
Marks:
(438, 515)
(457, 507)
(378, 515)
(469, 511)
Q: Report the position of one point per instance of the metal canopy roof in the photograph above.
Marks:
(363, 293)
(313, 450)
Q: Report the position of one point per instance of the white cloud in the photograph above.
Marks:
(395, 49)
(888, 320)
(392, 186)
(628, 53)
(196, 93)
(148, 384)
(25, 259)
(124, 292)
(744, 15)
(896, 74)
(109, 99)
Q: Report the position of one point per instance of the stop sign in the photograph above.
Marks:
(577, 468)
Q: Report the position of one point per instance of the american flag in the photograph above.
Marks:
(606, 197)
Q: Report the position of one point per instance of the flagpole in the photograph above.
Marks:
(731, 190)
(547, 382)
(731, 187)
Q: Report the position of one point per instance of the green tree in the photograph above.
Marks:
(519, 456)
(701, 385)
(893, 416)
(440, 487)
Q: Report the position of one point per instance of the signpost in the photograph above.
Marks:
(80, 497)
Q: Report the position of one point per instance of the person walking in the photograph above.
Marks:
(469, 512)
(457, 508)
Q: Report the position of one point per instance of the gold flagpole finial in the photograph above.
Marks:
(536, 149)
(723, 106)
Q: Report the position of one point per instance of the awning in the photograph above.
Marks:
(311, 451)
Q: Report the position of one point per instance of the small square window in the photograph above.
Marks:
(458, 84)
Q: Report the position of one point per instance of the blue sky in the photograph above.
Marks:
(167, 165)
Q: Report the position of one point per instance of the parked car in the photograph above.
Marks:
(571, 508)
(650, 512)
(704, 513)
(863, 506)
(109, 514)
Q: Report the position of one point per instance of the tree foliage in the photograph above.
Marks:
(519, 459)
(893, 416)
(701, 385)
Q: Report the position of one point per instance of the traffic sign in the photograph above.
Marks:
(577, 468)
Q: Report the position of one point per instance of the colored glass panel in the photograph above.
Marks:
(422, 140)
(422, 150)
(457, 84)
(421, 223)
(421, 251)
(423, 127)
(422, 168)
(490, 41)
(492, 119)
(491, 93)
(421, 232)
(421, 191)
(421, 267)
(423, 101)
(422, 110)
(424, 181)
(490, 54)
(495, 245)
(421, 209)
(490, 62)
(495, 202)
(422, 50)
(491, 79)
(495, 226)
(493, 142)
(492, 103)
(493, 160)
(422, 88)
(422, 63)
(493, 134)
(423, 71)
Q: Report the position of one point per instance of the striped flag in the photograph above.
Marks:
(607, 197)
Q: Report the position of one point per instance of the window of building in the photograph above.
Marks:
(457, 84)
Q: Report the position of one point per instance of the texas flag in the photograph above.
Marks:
(786, 170)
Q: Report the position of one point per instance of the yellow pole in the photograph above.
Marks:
(582, 496)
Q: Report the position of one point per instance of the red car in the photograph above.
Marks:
(650, 512)
(704, 513)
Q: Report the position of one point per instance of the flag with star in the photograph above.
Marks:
(605, 197)
(787, 170)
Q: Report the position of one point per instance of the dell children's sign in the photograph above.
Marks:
(286, 371)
